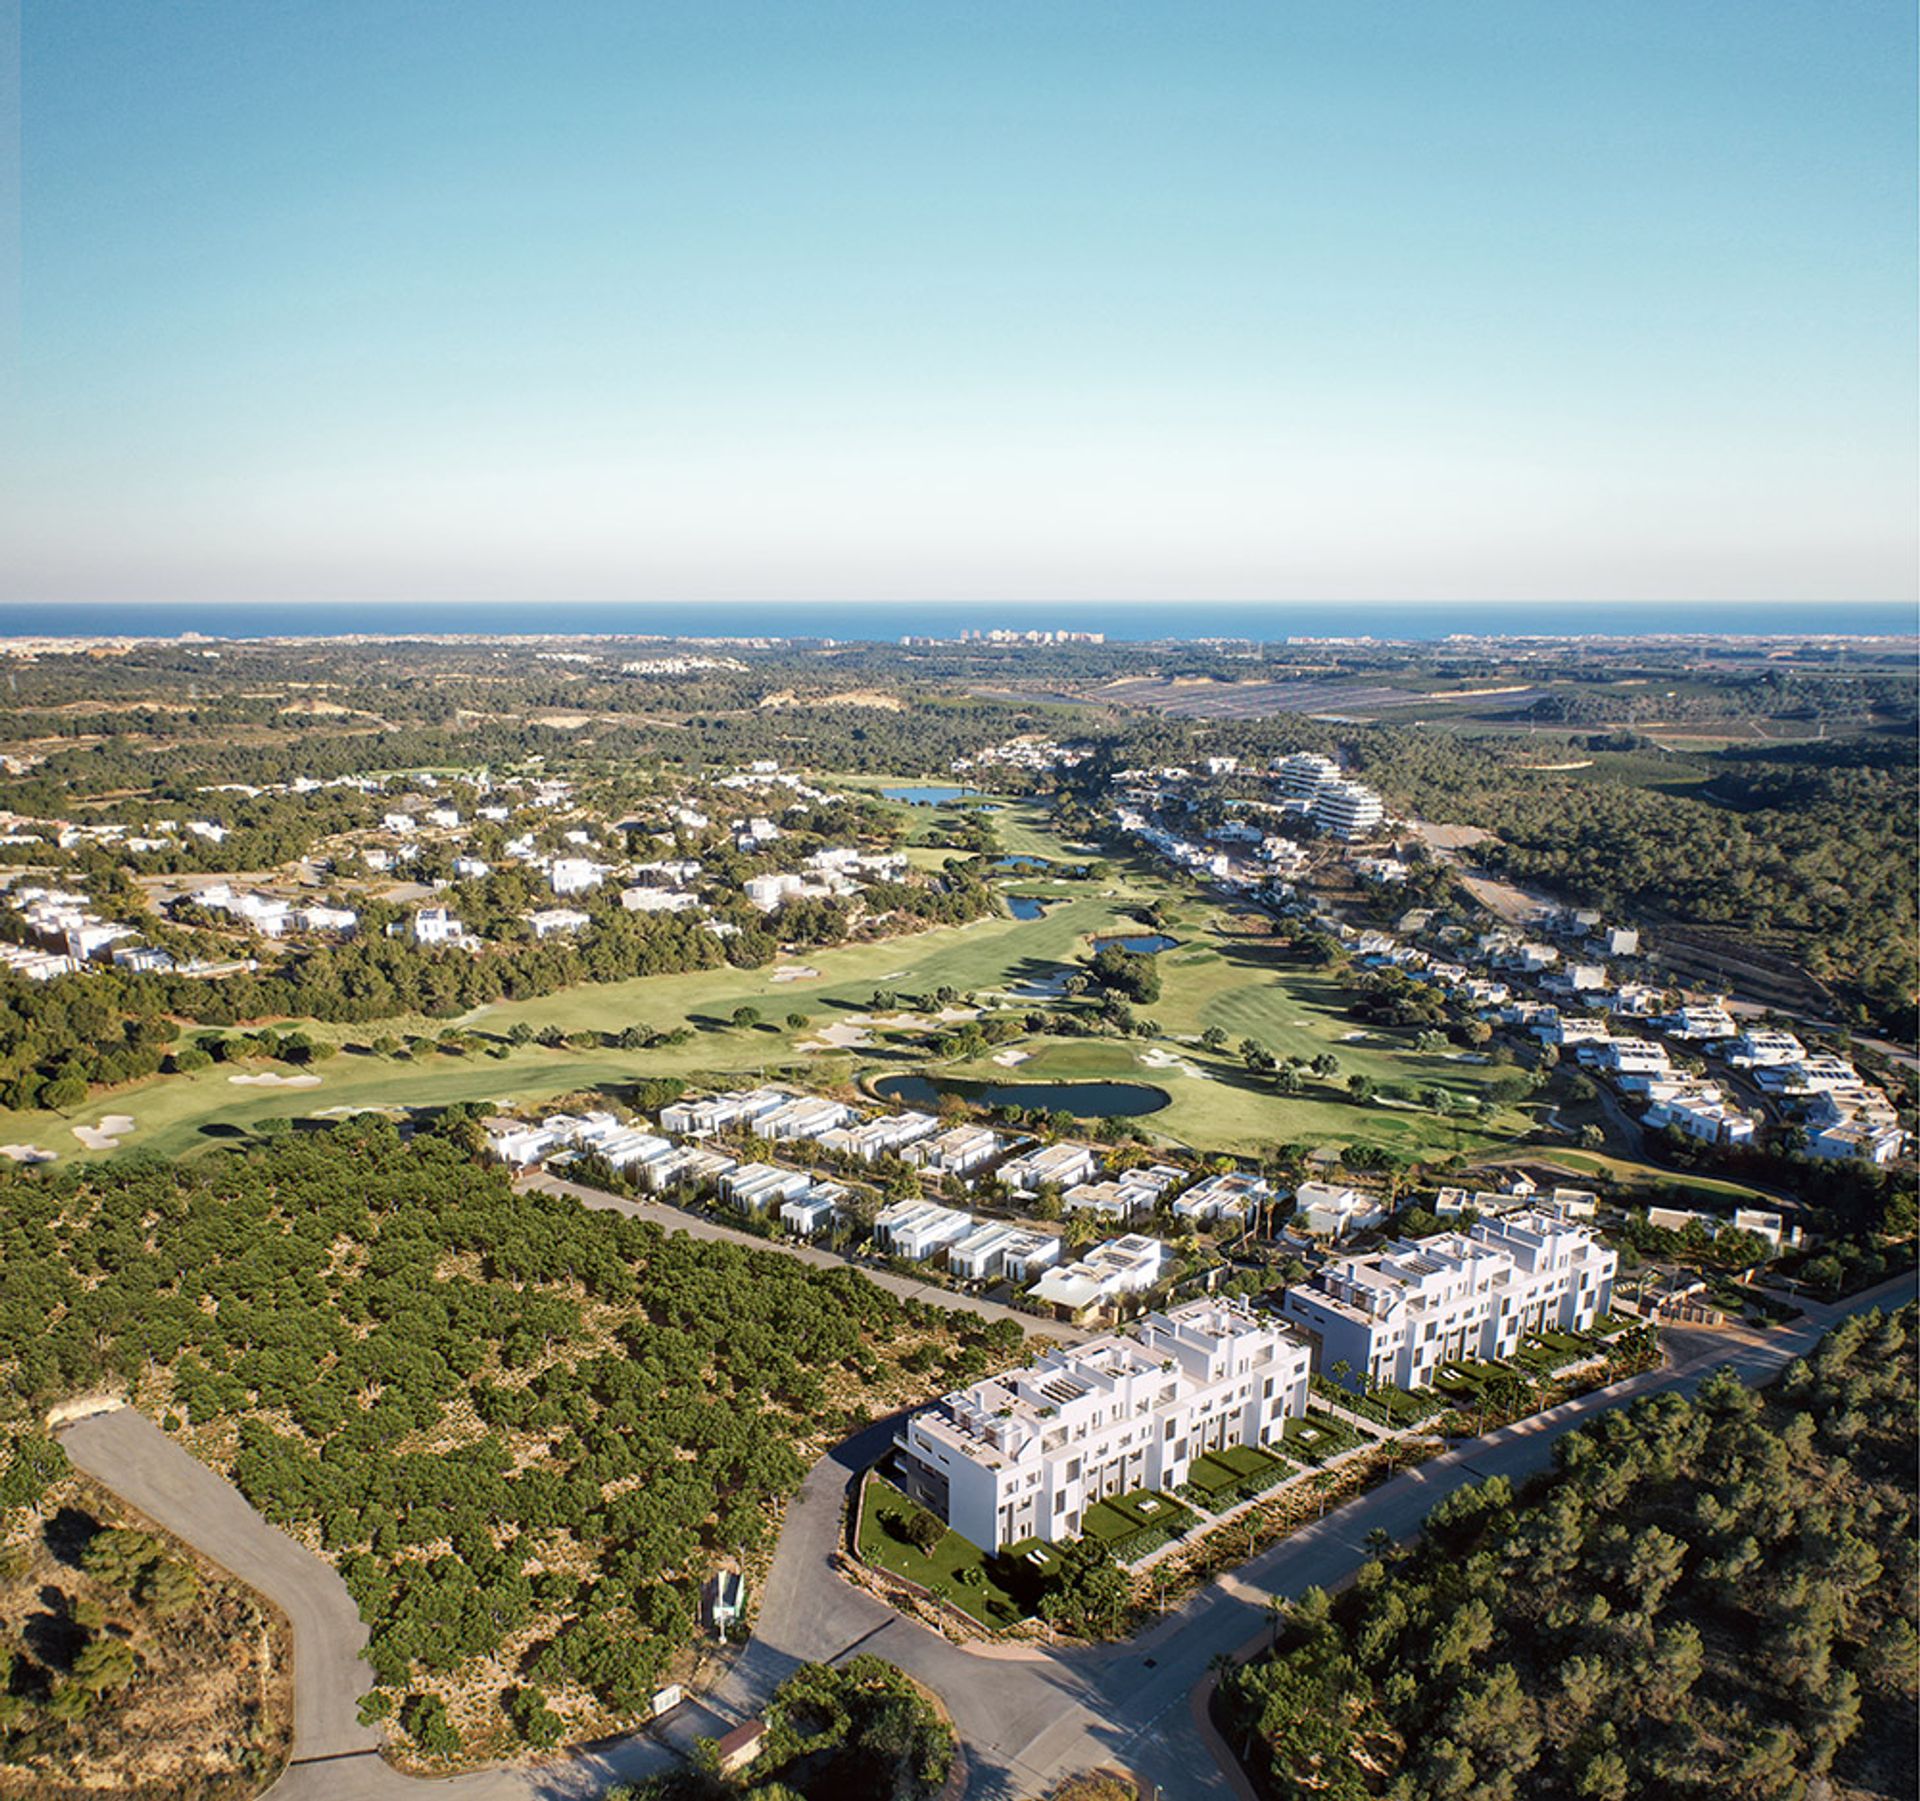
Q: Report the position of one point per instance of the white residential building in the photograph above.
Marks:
(959, 1151)
(1304, 774)
(574, 875)
(762, 1187)
(1025, 1454)
(994, 1249)
(657, 900)
(1861, 1138)
(810, 1214)
(550, 922)
(1120, 1197)
(435, 925)
(916, 1229)
(885, 1135)
(1329, 1211)
(1063, 1164)
(1761, 1047)
(1396, 1315)
(1121, 1266)
(721, 1112)
(1348, 810)
(1227, 1196)
(1703, 1023)
(1702, 1111)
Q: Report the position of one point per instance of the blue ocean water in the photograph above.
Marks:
(1129, 621)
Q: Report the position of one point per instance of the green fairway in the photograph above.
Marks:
(1219, 974)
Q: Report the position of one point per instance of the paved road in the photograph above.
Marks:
(908, 1288)
(1028, 1717)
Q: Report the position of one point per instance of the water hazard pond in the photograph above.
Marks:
(1146, 943)
(1085, 1100)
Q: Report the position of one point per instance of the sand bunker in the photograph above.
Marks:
(269, 1079)
(27, 1153)
(1167, 1061)
(1008, 1058)
(793, 973)
(107, 1134)
(843, 1035)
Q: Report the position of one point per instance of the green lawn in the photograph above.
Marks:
(1316, 1435)
(1219, 1479)
(956, 1570)
(1132, 1524)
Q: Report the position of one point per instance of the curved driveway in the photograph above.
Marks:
(1028, 1716)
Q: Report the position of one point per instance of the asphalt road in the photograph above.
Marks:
(674, 1219)
(1027, 1717)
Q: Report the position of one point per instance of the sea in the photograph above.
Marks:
(890, 621)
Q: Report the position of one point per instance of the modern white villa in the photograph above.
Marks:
(1024, 1455)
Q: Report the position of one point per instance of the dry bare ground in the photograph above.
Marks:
(208, 1714)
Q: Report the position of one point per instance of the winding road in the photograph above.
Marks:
(1028, 1716)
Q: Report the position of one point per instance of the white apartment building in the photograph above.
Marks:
(995, 1249)
(1348, 810)
(1063, 1164)
(1304, 774)
(916, 1229)
(1024, 1455)
(763, 1187)
(1398, 1314)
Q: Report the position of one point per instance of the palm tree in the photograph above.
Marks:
(1323, 1481)
(1380, 1542)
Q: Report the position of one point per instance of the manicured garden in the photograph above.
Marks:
(1316, 1435)
(1221, 1479)
(1133, 1524)
(951, 1568)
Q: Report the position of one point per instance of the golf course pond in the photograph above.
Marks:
(1148, 944)
(1085, 1100)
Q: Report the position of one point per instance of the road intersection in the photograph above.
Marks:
(1028, 1716)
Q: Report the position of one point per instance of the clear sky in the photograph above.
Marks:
(948, 298)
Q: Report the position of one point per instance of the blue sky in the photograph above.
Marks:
(380, 299)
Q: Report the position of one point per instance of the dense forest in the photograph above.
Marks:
(1711, 1597)
(525, 1432)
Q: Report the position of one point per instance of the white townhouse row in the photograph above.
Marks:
(1064, 1165)
(1025, 1454)
(916, 1229)
(1093, 1282)
(885, 1135)
(803, 1201)
(1396, 1315)
(958, 1151)
(995, 1250)
(270, 916)
(770, 1113)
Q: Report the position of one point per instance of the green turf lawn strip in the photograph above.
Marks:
(957, 1570)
